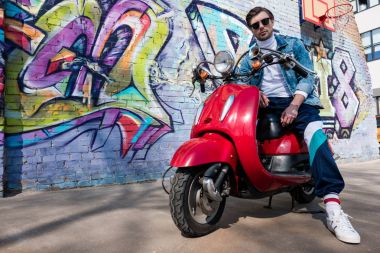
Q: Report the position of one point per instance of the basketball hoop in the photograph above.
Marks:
(338, 15)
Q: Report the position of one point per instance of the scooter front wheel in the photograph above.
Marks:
(193, 213)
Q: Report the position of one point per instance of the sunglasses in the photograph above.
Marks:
(256, 25)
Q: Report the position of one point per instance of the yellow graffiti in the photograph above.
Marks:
(29, 109)
(323, 67)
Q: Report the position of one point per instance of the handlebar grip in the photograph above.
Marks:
(301, 71)
(203, 86)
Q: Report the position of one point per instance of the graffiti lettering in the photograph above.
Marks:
(344, 98)
(217, 29)
(335, 81)
(324, 70)
(86, 68)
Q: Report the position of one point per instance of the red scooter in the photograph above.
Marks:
(233, 152)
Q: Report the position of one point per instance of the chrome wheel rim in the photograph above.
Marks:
(308, 189)
(196, 199)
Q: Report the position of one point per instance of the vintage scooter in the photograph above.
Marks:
(232, 152)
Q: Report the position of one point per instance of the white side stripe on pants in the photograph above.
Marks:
(311, 128)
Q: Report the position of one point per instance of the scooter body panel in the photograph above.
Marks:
(240, 125)
(206, 149)
(288, 144)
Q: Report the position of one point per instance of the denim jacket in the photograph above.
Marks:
(294, 81)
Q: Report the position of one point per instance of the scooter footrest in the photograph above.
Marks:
(287, 174)
(288, 164)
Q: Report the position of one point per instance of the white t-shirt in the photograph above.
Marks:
(273, 84)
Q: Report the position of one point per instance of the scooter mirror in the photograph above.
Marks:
(268, 58)
(256, 52)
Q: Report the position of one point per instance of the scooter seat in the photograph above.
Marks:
(269, 126)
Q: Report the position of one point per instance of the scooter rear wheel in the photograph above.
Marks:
(193, 213)
(304, 194)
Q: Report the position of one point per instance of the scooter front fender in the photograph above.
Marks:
(210, 148)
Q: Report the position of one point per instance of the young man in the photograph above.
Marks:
(297, 100)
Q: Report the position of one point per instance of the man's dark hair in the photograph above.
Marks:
(255, 11)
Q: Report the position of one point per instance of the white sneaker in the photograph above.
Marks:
(339, 224)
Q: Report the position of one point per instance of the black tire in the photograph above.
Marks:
(186, 181)
(304, 194)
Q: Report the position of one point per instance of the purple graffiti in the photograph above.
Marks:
(77, 60)
(344, 98)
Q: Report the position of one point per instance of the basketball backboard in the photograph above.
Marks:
(314, 11)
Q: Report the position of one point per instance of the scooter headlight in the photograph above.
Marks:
(227, 107)
(198, 115)
(224, 62)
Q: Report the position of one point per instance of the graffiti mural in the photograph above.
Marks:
(342, 88)
(85, 69)
(100, 91)
(217, 29)
(85, 61)
(336, 85)
(2, 63)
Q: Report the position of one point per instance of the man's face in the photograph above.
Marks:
(262, 31)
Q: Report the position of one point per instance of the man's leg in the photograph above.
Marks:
(328, 180)
(324, 169)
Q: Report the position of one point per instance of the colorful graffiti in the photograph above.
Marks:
(336, 85)
(89, 61)
(217, 29)
(2, 63)
(344, 98)
(85, 61)
(94, 87)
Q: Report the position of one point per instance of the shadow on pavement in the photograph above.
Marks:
(281, 205)
(124, 199)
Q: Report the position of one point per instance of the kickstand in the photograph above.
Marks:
(292, 209)
(269, 206)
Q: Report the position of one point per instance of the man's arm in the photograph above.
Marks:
(304, 87)
(245, 67)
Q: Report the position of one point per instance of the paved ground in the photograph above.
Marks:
(136, 218)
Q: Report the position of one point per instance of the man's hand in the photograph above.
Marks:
(289, 115)
(291, 112)
(264, 100)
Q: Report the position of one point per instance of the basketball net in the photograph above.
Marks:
(340, 15)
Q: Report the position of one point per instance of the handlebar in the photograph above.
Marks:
(270, 57)
(301, 71)
(285, 59)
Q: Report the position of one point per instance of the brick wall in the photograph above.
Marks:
(1, 97)
(99, 91)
